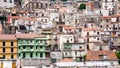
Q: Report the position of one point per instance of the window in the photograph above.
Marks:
(23, 47)
(3, 56)
(23, 55)
(10, 1)
(19, 47)
(97, 38)
(3, 49)
(107, 20)
(66, 53)
(88, 33)
(75, 53)
(3, 43)
(41, 55)
(80, 47)
(36, 54)
(98, 33)
(19, 54)
(11, 49)
(5, 1)
(11, 56)
(31, 47)
(40, 47)
(67, 41)
(11, 43)
(31, 55)
(91, 24)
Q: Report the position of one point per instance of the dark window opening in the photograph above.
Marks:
(23, 55)
(11, 56)
(23, 47)
(11, 43)
(11, 49)
(3, 43)
(3, 49)
(3, 56)
(41, 55)
(31, 55)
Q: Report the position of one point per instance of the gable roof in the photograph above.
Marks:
(94, 55)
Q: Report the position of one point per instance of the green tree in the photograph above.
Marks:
(118, 56)
(82, 6)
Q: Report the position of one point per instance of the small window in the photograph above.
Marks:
(47, 65)
(3, 43)
(75, 53)
(11, 56)
(107, 20)
(19, 54)
(97, 38)
(3, 56)
(5, 0)
(11, 49)
(41, 55)
(23, 47)
(41, 47)
(11, 43)
(23, 55)
(10, 1)
(80, 47)
(66, 53)
(98, 33)
(91, 24)
(3, 49)
(31, 47)
(31, 55)
(36, 54)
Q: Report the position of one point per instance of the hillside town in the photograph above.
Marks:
(59, 33)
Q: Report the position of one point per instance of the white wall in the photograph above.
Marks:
(6, 4)
(7, 64)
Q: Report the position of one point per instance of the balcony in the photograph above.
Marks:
(68, 56)
(40, 44)
(27, 50)
(67, 49)
(79, 49)
(26, 43)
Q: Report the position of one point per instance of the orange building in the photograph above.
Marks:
(8, 51)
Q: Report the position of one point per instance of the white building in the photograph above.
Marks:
(7, 3)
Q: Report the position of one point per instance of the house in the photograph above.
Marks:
(101, 46)
(33, 47)
(92, 35)
(101, 58)
(8, 51)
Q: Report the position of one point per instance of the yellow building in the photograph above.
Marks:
(8, 51)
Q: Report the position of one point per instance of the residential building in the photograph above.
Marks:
(8, 51)
(102, 58)
(7, 3)
(32, 47)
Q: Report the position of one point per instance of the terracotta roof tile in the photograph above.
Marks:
(94, 55)
(8, 37)
(93, 29)
(66, 60)
(27, 36)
